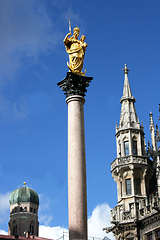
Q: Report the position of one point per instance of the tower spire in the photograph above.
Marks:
(128, 116)
(130, 167)
(126, 90)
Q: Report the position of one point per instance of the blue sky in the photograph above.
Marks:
(33, 112)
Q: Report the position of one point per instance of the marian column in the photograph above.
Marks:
(74, 85)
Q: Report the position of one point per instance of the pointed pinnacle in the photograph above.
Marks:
(125, 69)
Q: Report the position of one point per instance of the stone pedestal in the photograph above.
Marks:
(75, 87)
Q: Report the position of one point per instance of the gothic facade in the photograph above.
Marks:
(136, 171)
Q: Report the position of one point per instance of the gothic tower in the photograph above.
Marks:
(131, 169)
(137, 174)
(24, 203)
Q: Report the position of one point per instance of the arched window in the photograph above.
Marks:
(14, 229)
(138, 186)
(134, 142)
(126, 148)
(32, 228)
(128, 186)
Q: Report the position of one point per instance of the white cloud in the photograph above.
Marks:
(45, 219)
(27, 31)
(3, 232)
(53, 232)
(70, 14)
(13, 110)
(4, 207)
(99, 219)
(45, 202)
(44, 206)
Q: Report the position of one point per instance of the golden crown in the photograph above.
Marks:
(76, 29)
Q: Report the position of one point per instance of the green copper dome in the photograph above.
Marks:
(24, 194)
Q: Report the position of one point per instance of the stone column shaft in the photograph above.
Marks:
(132, 182)
(77, 196)
(75, 87)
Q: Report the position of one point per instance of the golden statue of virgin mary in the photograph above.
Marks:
(76, 50)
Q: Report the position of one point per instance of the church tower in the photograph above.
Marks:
(131, 169)
(24, 203)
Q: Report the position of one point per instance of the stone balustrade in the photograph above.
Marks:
(118, 214)
(148, 206)
(128, 160)
(138, 210)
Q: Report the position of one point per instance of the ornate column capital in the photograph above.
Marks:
(74, 84)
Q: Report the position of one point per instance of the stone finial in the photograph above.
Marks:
(157, 134)
(150, 114)
(152, 130)
(151, 121)
(125, 69)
